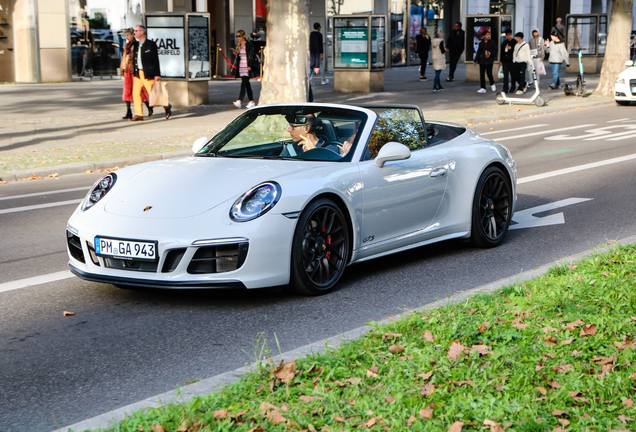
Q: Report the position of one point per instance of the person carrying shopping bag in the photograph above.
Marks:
(439, 59)
(246, 65)
(128, 72)
(486, 55)
(147, 70)
(558, 55)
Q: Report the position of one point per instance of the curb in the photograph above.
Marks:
(216, 383)
(82, 167)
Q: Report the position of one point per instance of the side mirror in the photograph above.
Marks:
(391, 151)
(629, 63)
(198, 144)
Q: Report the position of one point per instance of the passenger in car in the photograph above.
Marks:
(302, 129)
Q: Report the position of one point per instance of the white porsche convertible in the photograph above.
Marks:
(289, 195)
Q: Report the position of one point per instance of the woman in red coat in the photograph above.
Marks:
(127, 70)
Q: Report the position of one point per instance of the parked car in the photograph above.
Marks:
(625, 86)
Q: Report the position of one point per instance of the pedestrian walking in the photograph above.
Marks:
(558, 30)
(455, 47)
(558, 55)
(245, 65)
(439, 59)
(507, 64)
(486, 55)
(128, 72)
(521, 59)
(147, 70)
(423, 46)
(315, 53)
(536, 44)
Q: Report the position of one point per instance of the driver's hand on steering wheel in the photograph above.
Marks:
(306, 143)
(345, 147)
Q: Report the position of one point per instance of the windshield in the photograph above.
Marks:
(290, 132)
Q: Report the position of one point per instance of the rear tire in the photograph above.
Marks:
(539, 101)
(492, 208)
(499, 98)
(320, 249)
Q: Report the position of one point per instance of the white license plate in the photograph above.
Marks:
(633, 89)
(126, 249)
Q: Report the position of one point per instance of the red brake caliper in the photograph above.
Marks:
(329, 242)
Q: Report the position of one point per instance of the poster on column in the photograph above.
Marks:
(171, 48)
(354, 47)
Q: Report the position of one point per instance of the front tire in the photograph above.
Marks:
(492, 209)
(539, 101)
(320, 249)
(499, 98)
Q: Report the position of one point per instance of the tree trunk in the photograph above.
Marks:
(617, 49)
(285, 67)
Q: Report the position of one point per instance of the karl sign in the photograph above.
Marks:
(526, 218)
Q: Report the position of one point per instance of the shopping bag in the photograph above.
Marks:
(539, 67)
(159, 94)
(500, 74)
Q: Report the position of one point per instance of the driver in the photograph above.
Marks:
(302, 129)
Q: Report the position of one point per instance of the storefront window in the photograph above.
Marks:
(97, 38)
(424, 13)
(582, 34)
(399, 32)
(502, 7)
(351, 39)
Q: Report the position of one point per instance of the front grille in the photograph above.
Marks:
(75, 247)
(218, 259)
(133, 265)
(173, 258)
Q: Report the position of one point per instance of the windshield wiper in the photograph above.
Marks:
(210, 154)
(281, 157)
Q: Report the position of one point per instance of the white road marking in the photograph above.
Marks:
(575, 169)
(40, 206)
(44, 193)
(618, 120)
(596, 133)
(545, 132)
(511, 130)
(622, 138)
(37, 280)
(525, 218)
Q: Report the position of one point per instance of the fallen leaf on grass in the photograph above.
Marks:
(462, 383)
(373, 371)
(455, 351)
(568, 341)
(157, 428)
(310, 398)
(588, 330)
(315, 370)
(482, 328)
(392, 335)
(389, 399)
(521, 326)
(338, 418)
(286, 371)
(394, 349)
(426, 413)
(494, 426)
(257, 429)
(542, 390)
(575, 324)
(427, 390)
(564, 422)
(411, 420)
(605, 274)
(354, 380)
(554, 384)
(625, 344)
(481, 349)
(67, 313)
(603, 360)
(456, 427)
(220, 414)
(425, 376)
(272, 413)
(628, 402)
(561, 368)
(558, 412)
(429, 336)
(624, 419)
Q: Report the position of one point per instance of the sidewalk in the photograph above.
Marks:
(75, 127)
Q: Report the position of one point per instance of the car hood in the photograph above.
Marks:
(628, 73)
(187, 187)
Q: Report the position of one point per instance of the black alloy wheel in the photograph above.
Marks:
(492, 208)
(320, 248)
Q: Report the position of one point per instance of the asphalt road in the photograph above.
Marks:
(123, 346)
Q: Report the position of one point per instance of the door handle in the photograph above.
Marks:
(439, 173)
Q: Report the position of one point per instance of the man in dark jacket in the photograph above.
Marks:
(507, 51)
(423, 47)
(455, 46)
(486, 55)
(315, 51)
(147, 70)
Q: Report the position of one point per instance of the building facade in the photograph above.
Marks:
(64, 40)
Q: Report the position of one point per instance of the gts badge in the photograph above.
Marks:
(368, 239)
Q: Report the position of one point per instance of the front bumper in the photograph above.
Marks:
(623, 92)
(264, 250)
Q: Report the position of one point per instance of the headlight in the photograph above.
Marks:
(99, 190)
(256, 202)
(620, 80)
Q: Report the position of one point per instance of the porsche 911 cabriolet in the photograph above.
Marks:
(290, 195)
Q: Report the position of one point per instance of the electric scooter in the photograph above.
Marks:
(581, 88)
(536, 98)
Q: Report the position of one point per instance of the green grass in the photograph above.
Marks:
(517, 383)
